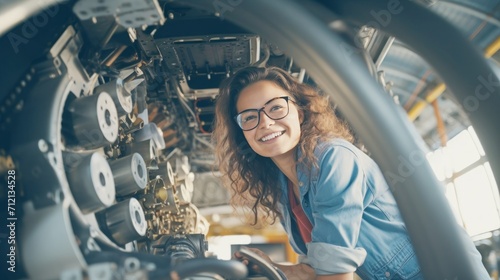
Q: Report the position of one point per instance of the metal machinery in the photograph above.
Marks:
(96, 133)
(106, 111)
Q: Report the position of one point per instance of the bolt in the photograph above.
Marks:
(42, 145)
(20, 105)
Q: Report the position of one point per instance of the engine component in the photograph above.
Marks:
(166, 172)
(130, 174)
(127, 13)
(95, 120)
(131, 125)
(39, 255)
(151, 131)
(181, 247)
(184, 193)
(123, 222)
(86, 160)
(182, 167)
(146, 149)
(164, 197)
(132, 265)
(205, 109)
(91, 182)
(121, 96)
(203, 60)
(188, 220)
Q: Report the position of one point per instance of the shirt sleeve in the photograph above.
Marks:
(338, 205)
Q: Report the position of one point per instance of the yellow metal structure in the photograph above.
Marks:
(434, 93)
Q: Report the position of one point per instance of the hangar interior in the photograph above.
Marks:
(106, 112)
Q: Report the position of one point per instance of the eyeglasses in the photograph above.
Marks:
(276, 109)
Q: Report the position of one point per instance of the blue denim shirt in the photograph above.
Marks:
(357, 226)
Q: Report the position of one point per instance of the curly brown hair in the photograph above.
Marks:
(250, 177)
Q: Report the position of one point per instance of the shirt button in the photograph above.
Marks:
(300, 184)
(387, 274)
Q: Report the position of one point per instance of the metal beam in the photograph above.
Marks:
(400, 74)
(470, 11)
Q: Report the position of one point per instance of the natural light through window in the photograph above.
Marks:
(462, 151)
(476, 200)
(470, 186)
(220, 246)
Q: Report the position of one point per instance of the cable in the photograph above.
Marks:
(183, 101)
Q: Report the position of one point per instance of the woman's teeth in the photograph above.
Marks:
(271, 136)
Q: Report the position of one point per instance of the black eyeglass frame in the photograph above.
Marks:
(287, 98)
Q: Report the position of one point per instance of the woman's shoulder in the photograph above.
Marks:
(335, 144)
(341, 151)
(344, 157)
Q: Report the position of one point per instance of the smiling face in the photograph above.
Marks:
(275, 139)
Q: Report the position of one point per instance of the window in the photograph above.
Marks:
(470, 186)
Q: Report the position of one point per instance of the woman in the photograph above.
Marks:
(285, 155)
